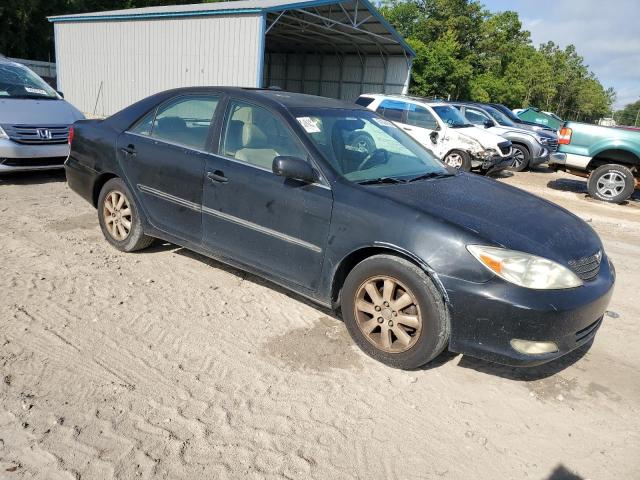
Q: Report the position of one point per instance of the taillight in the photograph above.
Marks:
(565, 136)
(71, 132)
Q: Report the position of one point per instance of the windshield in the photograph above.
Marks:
(499, 117)
(363, 147)
(451, 116)
(508, 113)
(17, 81)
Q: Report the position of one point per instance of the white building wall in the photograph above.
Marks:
(107, 65)
(333, 76)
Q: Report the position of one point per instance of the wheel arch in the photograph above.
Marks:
(619, 155)
(523, 144)
(98, 184)
(379, 248)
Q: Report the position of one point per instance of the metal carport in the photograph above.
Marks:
(339, 49)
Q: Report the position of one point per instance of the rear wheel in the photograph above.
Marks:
(458, 159)
(521, 157)
(611, 183)
(119, 217)
(394, 312)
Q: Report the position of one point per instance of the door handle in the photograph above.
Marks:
(129, 150)
(407, 129)
(217, 176)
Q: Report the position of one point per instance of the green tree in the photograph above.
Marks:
(463, 51)
(629, 115)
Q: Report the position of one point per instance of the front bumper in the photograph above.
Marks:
(492, 164)
(545, 155)
(19, 157)
(558, 158)
(486, 317)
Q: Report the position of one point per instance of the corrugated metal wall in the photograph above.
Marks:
(109, 65)
(344, 77)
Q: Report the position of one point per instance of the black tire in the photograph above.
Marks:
(611, 183)
(434, 335)
(524, 157)
(458, 159)
(135, 238)
(363, 142)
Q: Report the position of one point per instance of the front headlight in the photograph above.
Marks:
(523, 269)
(3, 134)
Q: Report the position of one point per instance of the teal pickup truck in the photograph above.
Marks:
(608, 156)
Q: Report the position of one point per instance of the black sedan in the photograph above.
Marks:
(417, 257)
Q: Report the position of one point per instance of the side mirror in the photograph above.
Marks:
(294, 168)
(434, 137)
(60, 93)
(487, 123)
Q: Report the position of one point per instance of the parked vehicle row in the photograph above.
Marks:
(444, 131)
(468, 135)
(343, 206)
(34, 121)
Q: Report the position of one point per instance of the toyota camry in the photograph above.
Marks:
(417, 257)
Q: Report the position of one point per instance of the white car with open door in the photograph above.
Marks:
(443, 130)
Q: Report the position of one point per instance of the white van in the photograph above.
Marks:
(444, 131)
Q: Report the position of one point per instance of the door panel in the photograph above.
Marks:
(167, 179)
(420, 124)
(253, 216)
(163, 159)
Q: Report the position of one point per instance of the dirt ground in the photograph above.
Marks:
(165, 364)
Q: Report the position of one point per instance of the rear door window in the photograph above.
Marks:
(392, 110)
(364, 101)
(475, 116)
(421, 117)
(183, 121)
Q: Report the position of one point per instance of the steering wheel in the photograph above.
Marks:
(368, 159)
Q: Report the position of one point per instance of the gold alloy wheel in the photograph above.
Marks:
(117, 215)
(388, 314)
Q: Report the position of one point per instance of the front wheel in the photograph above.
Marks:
(521, 158)
(611, 183)
(458, 159)
(119, 217)
(394, 312)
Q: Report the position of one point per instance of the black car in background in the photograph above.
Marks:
(522, 123)
(417, 257)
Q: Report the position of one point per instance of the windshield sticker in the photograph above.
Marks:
(35, 90)
(382, 122)
(309, 124)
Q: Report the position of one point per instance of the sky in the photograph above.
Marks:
(605, 32)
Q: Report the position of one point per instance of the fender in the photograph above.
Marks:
(405, 253)
(615, 144)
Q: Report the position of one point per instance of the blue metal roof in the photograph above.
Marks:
(223, 8)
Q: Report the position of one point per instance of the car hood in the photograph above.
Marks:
(486, 139)
(23, 111)
(495, 213)
(501, 130)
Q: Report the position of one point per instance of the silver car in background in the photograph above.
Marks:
(34, 121)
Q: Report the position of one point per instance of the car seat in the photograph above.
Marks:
(255, 147)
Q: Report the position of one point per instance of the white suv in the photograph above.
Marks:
(444, 131)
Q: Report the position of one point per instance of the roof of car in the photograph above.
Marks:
(433, 101)
(281, 97)
(295, 100)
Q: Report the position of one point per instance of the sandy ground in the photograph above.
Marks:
(164, 364)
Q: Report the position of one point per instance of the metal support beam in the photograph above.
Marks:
(275, 21)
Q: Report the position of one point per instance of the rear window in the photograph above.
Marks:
(364, 101)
